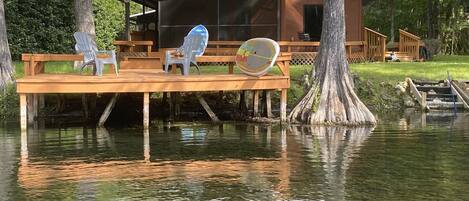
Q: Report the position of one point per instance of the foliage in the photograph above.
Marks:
(109, 22)
(9, 103)
(39, 26)
(445, 20)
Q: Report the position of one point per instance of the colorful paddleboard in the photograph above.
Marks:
(256, 56)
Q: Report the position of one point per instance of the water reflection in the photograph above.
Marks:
(233, 161)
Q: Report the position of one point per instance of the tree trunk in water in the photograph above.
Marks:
(6, 66)
(331, 99)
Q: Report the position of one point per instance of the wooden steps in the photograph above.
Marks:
(437, 95)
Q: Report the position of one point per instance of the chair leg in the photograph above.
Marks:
(166, 67)
(197, 67)
(116, 69)
(99, 68)
(185, 68)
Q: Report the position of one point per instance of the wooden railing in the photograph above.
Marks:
(409, 43)
(355, 49)
(375, 45)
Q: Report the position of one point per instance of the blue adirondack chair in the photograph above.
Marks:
(88, 47)
(194, 45)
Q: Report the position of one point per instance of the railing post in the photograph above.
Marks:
(383, 46)
(365, 36)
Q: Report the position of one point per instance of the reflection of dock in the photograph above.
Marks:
(438, 95)
(267, 162)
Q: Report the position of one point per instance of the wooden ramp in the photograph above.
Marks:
(436, 95)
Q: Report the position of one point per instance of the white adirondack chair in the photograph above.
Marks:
(88, 47)
(194, 45)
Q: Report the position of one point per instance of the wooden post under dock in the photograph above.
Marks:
(146, 110)
(283, 105)
(268, 104)
(23, 112)
(255, 103)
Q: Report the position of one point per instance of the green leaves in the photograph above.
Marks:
(445, 20)
(38, 26)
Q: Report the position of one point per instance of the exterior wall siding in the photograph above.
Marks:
(291, 21)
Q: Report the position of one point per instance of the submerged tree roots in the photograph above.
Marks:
(331, 99)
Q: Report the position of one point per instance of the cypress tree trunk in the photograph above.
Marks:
(6, 65)
(331, 99)
(84, 19)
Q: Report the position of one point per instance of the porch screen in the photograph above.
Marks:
(225, 19)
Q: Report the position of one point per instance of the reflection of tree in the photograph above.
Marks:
(336, 147)
(7, 163)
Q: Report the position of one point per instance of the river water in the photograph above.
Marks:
(415, 157)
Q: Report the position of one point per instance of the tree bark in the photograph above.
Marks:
(430, 15)
(84, 22)
(392, 5)
(6, 65)
(331, 99)
(84, 19)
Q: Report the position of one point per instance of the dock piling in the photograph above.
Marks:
(146, 110)
(283, 105)
(23, 112)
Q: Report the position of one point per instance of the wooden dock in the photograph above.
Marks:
(438, 95)
(136, 80)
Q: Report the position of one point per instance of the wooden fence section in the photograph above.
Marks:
(303, 52)
(409, 44)
(375, 45)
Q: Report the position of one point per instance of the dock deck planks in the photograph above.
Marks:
(141, 80)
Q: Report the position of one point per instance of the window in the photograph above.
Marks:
(313, 15)
(225, 19)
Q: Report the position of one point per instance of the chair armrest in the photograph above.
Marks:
(110, 52)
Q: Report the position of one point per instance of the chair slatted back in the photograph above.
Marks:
(192, 43)
(86, 45)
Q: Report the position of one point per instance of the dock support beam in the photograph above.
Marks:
(283, 105)
(207, 108)
(23, 112)
(255, 103)
(268, 104)
(32, 105)
(146, 110)
(108, 110)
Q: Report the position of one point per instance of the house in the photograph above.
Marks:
(167, 22)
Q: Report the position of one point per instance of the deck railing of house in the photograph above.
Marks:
(375, 45)
(409, 43)
(303, 52)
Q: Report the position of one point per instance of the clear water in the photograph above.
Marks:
(413, 158)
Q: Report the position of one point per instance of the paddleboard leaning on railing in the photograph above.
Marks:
(256, 56)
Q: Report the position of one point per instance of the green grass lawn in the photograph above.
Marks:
(458, 67)
(51, 67)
